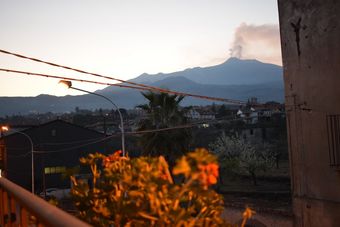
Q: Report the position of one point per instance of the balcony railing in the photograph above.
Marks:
(18, 207)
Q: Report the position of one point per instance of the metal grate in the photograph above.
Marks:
(333, 133)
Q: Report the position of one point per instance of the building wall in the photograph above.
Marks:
(59, 138)
(310, 39)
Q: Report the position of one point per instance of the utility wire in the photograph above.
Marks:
(194, 124)
(20, 155)
(121, 85)
(67, 143)
(120, 80)
(74, 147)
(71, 78)
(127, 133)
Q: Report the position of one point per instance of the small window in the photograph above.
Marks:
(54, 132)
(47, 170)
(56, 169)
(60, 169)
(333, 133)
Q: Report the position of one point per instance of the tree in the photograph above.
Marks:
(227, 150)
(213, 107)
(223, 111)
(163, 111)
(255, 159)
(238, 155)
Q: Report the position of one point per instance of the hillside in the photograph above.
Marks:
(234, 79)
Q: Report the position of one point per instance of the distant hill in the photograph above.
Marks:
(234, 71)
(234, 79)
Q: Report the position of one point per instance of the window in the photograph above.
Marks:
(333, 133)
(53, 132)
(47, 170)
(55, 169)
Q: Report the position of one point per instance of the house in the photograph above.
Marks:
(248, 116)
(255, 112)
(57, 146)
(199, 114)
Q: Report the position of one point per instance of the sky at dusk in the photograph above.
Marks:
(124, 38)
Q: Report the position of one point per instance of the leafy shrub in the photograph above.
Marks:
(141, 191)
(238, 155)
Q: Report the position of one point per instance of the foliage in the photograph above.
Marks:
(223, 111)
(141, 192)
(163, 111)
(236, 154)
(227, 150)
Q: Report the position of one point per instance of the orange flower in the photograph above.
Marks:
(182, 167)
(111, 158)
(213, 169)
(248, 213)
(208, 174)
(163, 173)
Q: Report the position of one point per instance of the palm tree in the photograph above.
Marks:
(163, 111)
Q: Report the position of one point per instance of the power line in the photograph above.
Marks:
(67, 143)
(116, 79)
(93, 141)
(20, 155)
(71, 78)
(122, 86)
(74, 147)
(195, 124)
(129, 133)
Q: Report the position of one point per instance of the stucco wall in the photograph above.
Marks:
(310, 39)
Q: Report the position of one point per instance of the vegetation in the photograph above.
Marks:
(238, 155)
(163, 111)
(141, 192)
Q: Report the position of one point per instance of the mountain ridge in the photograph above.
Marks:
(233, 79)
(233, 71)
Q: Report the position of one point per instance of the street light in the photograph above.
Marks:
(32, 156)
(32, 160)
(3, 155)
(5, 128)
(68, 84)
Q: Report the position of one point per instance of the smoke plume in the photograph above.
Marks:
(261, 42)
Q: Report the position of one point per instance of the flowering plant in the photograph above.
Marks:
(141, 191)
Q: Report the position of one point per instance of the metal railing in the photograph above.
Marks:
(19, 207)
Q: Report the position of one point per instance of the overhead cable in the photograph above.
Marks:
(70, 78)
(116, 79)
(122, 86)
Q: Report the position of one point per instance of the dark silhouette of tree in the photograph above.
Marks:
(223, 111)
(163, 111)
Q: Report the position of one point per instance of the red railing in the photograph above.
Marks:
(20, 208)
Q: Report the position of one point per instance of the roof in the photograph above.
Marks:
(55, 122)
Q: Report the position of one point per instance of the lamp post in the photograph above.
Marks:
(5, 128)
(3, 152)
(32, 156)
(68, 84)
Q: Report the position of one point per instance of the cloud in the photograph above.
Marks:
(261, 42)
